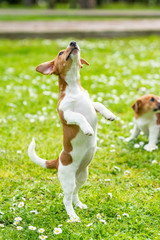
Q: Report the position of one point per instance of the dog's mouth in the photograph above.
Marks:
(74, 50)
(156, 110)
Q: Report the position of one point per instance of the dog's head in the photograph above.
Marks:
(147, 103)
(63, 62)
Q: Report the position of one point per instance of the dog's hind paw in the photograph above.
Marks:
(149, 147)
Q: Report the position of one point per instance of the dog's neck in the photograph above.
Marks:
(70, 82)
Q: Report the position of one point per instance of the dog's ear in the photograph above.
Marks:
(82, 61)
(137, 105)
(46, 68)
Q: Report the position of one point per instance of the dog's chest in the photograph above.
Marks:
(79, 101)
(145, 122)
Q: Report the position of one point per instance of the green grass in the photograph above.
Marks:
(120, 71)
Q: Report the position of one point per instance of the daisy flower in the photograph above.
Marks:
(127, 172)
(57, 231)
(19, 151)
(103, 221)
(110, 195)
(18, 219)
(154, 162)
(41, 230)
(16, 222)
(2, 225)
(136, 145)
(43, 237)
(118, 217)
(98, 216)
(19, 228)
(70, 220)
(21, 204)
(34, 211)
(88, 225)
(32, 228)
(125, 214)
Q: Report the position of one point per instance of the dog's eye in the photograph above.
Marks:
(60, 53)
(152, 99)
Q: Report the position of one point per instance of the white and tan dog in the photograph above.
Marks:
(79, 119)
(147, 119)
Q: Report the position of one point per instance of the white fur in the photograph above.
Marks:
(148, 125)
(33, 156)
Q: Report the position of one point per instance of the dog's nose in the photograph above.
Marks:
(73, 44)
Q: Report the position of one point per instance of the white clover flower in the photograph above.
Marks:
(41, 230)
(103, 221)
(21, 204)
(98, 216)
(110, 195)
(43, 237)
(32, 228)
(2, 225)
(34, 212)
(90, 224)
(125, 214)
(118, 217)
(18, 219)
(57, 231)
(154, 162)
(127, 172)
(19, 228)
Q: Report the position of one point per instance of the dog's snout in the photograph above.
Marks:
(73, 44)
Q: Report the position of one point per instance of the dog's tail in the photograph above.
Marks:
(41, 162)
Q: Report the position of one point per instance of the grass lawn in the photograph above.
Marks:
(120, 71)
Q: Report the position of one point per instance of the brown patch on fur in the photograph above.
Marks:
(53, 164)
(144, 105)
(66, 158)
(69, 132)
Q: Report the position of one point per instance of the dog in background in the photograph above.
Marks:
(147, 119)
(79, 120)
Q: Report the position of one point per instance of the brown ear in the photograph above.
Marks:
(46, 68)
(137, 105)
(82, 61)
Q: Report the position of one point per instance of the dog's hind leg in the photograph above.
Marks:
(66, 176)
(81, 177)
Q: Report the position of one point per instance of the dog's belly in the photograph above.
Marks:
(84, 148)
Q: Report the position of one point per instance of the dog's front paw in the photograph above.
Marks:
(150, 147)
(109, 116)
(88, 130)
